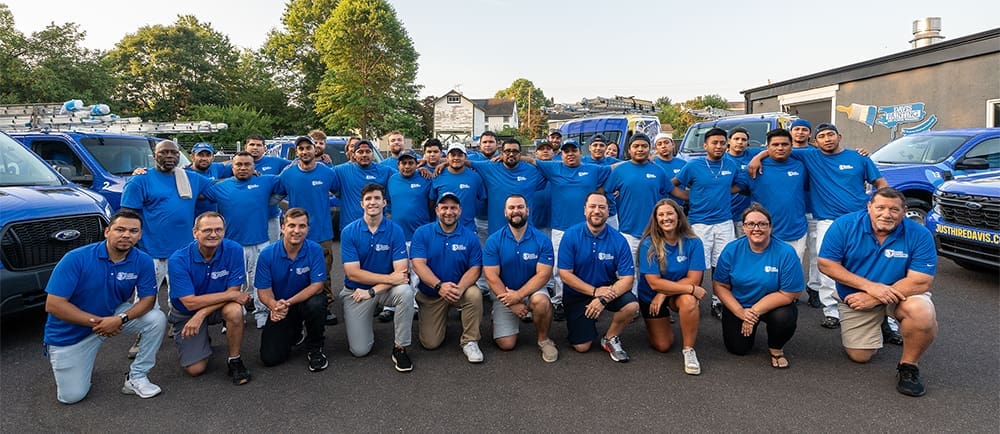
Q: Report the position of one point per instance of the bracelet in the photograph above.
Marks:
(692, 289)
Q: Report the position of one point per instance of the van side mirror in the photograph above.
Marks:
(973, 164)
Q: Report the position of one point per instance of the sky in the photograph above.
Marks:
(583, 48)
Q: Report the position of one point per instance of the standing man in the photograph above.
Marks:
(397, 146)
(319, 140)
(707, 183)
(801, 131)
(664, 146)
(597, 270)
(88, 302)
(266, 165)
(410, 195)
(243, 201)
(637, 185)
(447, 258)
(373, 251)
(597, 149)
(433, 153)
(883, 264)
(462, 182)
(517, 262)
(541, 214)
(202, 162)
(837, 179)
(290, 278)
(308, 186)
(509, 176)
(206, 277)
(354, 176)
(488, 143)
(739, 139)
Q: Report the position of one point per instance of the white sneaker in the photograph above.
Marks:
(472, 352)
(141, 387)
(691, 365)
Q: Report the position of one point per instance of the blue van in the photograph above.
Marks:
(42, 217)
(914, 164)
(614, 128)
(757, 124)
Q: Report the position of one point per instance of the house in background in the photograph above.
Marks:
(460, 119)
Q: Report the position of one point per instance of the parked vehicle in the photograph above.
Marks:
(284, 147)
(965, 220)
(614, 128)
(757, 124)
(42, 217)
(914, 164)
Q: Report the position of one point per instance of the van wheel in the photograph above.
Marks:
(917, 210)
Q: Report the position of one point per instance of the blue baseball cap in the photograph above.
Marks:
(202, 147)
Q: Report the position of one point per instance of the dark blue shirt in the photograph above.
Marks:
(753, 275)
(738, 201)
(167, 218)
(375, 252)
(191, 275)
(518, 260)
(285, 276)
(598, 259)
(448, 256)
(688, 255)
(87, 277)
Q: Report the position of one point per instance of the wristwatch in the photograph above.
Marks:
(371, 292)
(124, 317)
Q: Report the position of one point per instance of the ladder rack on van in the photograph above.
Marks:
(75, 117)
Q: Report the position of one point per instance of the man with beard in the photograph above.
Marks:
(244, 202)
(883, 264)
(397, 146)
(448, 259)
(308, 185)
(86, 307)
(206, 277)
(290, 279)
(354, 176)
(517, 262)
(266, 165)
(597, 270)
(319, 140)
(462, 182)
(487, 152)
(509, 176)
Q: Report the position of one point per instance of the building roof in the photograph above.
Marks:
(496, 106)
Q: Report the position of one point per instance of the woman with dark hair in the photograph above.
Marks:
(758, 279)
(671, 264)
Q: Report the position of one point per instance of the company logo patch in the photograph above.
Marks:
(252, 186)
(369, 177)
(457, 247)
(770, 269)
(725, 172)
(521, 178)
(301, 270)
(124, 275)
(601, 256)
(217, 274)
(845, 167)
(463, 186)
(381, 247)
(529, 256)
(650, 176)
(582, 173)
(793, 173)
(317, 182)
(681, 258)
(889, 253)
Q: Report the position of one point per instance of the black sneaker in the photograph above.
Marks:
(317, 360)
(558, 312)
(386, 316)
(331, 319)
(814, 299)
(889, 335)
(830, 323)
(401, 360)
(239, 372)
(717, 310)
(909, 380)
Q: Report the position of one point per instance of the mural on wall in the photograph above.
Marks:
(891, 117)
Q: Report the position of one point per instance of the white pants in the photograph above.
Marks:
(827, 288)
(162, 276)
(633, 246)
(714, 238)
(557, 286)
(273, 229)
(483, 231)
(800, 246)
(812, 250)
(250, 255)
(613, 221)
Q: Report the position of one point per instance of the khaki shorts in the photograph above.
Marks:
(862, 329)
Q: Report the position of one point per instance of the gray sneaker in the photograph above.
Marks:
(691, 365)
(613, 346)
(140, 387)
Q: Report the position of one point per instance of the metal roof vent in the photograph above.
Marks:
(926, 31)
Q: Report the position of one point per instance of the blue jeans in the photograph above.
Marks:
(74, 364)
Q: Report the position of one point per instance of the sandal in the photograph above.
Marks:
(776, 361)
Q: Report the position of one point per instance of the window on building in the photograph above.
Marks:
(506, 119)
(993, 113)
(454, 99)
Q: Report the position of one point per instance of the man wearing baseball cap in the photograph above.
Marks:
(202, 162)
(463, 183)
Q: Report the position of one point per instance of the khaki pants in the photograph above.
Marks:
(434, 313)
(328, 261)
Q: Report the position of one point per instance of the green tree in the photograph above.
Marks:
(259, 90)
(371, 66)
(530, 100)
(163, 71)
(242, 120)
(706, 101)
(49, 66)
(293, 60)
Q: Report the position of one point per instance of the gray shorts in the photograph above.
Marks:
(505, 322)
(195, 348)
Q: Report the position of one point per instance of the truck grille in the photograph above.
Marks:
(30, 244)
(970, 210)
(968, 249)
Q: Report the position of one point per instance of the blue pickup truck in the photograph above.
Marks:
(42, 217)
(915, 164)
(965, 220)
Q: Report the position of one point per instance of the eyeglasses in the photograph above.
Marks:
(756, 225)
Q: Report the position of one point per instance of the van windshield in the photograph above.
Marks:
(18, 166)
(584, 138)
(918, 149)
(694, 139)
(120, 155)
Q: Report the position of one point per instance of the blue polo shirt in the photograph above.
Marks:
(270, 165)
(244, 205)
(639, 186)
(518, 260)
(753, 275)
(468, 186)
(482, 212)
(606, 161)
(478, 155)
(410, 198)
(285, 276)
(572, 185)
(739, 202)
(214, 173)
(167, 219)
(780, 189)
(374, 251)
(836, 182)
(541, 213)
(353, 178)
(311, 190)
(91, 282)
(671, 168)
(500, 182)
(708, 184)
(688, 255)
(851, 242)
(596, 259)
(191, 275)
(449, 256)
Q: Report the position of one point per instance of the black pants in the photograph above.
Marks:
(780, 322)
(277, 338)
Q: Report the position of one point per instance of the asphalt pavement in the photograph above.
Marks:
(516, 391)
